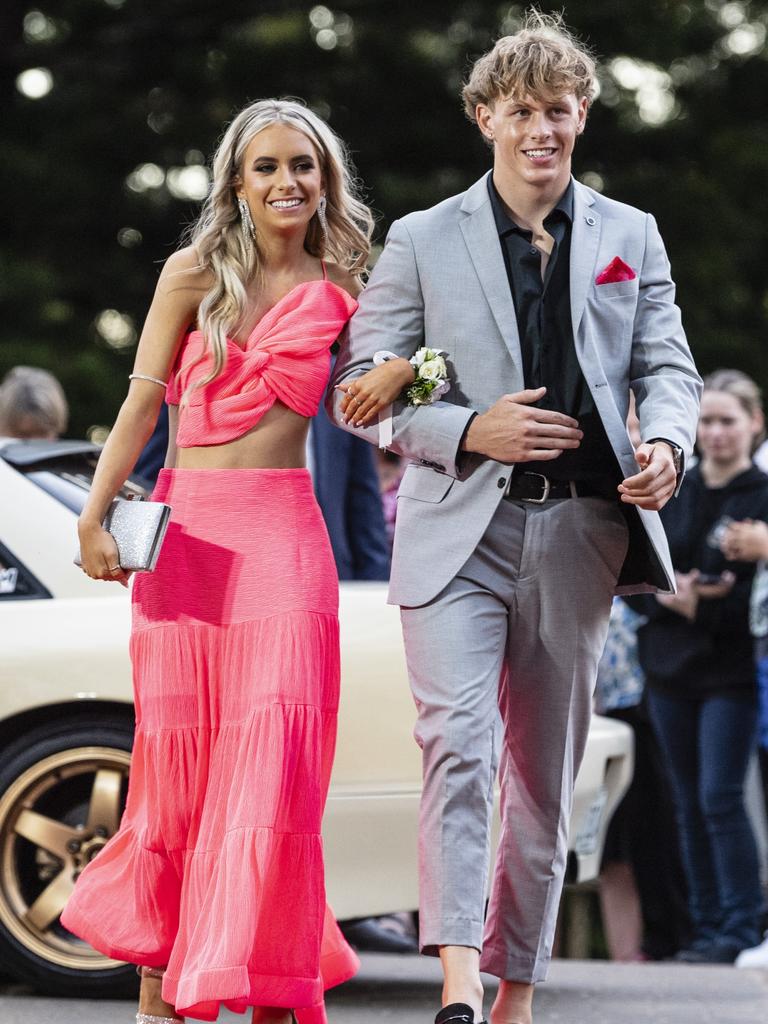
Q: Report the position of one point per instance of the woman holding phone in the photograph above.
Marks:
(697, 654)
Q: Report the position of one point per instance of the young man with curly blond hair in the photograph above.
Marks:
(524, 507)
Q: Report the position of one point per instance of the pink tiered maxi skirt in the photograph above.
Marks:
(217, 869)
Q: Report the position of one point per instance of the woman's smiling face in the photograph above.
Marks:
(281, 179)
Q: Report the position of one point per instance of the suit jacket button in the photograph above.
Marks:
(502, 482)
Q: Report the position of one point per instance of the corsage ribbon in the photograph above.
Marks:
(385, 416)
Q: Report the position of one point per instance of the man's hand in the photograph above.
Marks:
(514, 431)
(654, 485)
(746, 541)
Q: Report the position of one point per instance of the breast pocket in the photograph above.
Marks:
(617, 289)
(611, 309)
(424, 484)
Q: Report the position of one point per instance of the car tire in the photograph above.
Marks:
(62, 792)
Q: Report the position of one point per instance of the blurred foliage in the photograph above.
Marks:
(679, 129)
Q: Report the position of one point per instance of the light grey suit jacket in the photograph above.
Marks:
(441, 281)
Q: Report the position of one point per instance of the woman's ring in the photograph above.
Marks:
(115, 568)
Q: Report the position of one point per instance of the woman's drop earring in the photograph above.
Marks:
(246, 224)
(321, 215)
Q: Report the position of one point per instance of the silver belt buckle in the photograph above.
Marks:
(545, 495)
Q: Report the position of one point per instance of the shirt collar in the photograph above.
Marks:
(505, 224)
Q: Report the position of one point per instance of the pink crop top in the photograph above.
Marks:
(286, 357)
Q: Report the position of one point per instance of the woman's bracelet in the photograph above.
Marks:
(145, 376)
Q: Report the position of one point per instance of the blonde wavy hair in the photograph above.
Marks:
(217, 236)
(543, 59)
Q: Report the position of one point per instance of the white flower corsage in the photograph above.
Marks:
(430, 385)
(431, 377)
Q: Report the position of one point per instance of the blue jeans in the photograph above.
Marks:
(706, 745)
(762, 701)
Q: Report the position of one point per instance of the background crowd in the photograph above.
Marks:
(105, 158)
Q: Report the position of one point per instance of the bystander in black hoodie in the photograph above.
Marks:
(713, 654)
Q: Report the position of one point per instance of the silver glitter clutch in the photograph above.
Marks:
(138, 528)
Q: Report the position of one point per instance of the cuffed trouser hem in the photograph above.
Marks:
(524, 969)
(459, 931)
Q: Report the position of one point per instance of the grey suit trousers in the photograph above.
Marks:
(519, 631)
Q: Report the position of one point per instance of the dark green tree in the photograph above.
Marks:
(120, 103)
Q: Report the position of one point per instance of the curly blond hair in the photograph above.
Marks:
(217, 237)
(542, 59)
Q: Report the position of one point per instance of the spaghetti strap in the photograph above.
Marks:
(325, 270)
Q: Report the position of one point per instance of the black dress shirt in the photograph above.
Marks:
(543, 311)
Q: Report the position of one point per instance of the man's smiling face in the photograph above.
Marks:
(534, 138)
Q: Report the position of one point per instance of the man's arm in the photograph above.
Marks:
(664, 379)
(391, 317)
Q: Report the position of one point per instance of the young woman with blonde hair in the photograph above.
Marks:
(214, 882)
(697, 655)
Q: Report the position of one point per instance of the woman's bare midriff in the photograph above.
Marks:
(278, 441)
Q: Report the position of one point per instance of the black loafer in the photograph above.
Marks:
(369, 935)
(457, 1013)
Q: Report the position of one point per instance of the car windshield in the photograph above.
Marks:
(69, 480)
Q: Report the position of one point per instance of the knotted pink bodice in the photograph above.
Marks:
(285, 358)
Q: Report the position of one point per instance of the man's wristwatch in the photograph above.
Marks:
(677, 453)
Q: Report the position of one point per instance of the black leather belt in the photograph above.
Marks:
(538, 488)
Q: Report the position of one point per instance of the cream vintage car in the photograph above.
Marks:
(66, 725)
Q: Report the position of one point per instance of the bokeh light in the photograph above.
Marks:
(34, 83)
(116, 329)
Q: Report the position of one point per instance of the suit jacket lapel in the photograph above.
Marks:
(482, 239)
(585, 240)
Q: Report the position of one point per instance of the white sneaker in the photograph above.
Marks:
(757, 957)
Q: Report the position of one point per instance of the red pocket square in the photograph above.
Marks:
(617, 270)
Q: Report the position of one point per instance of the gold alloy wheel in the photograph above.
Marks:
(54, 819)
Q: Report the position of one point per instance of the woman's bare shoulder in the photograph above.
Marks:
(183, 270)
(341, 276)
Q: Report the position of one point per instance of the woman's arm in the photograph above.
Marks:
(391, 318)
(177, 296)
(375, 390)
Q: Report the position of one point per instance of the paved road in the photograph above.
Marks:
(404, 990)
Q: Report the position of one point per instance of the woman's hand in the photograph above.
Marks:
(99, 554)
(745, 541)
(375, 390)
(722, 588)
(686, 601)
(691, 590)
